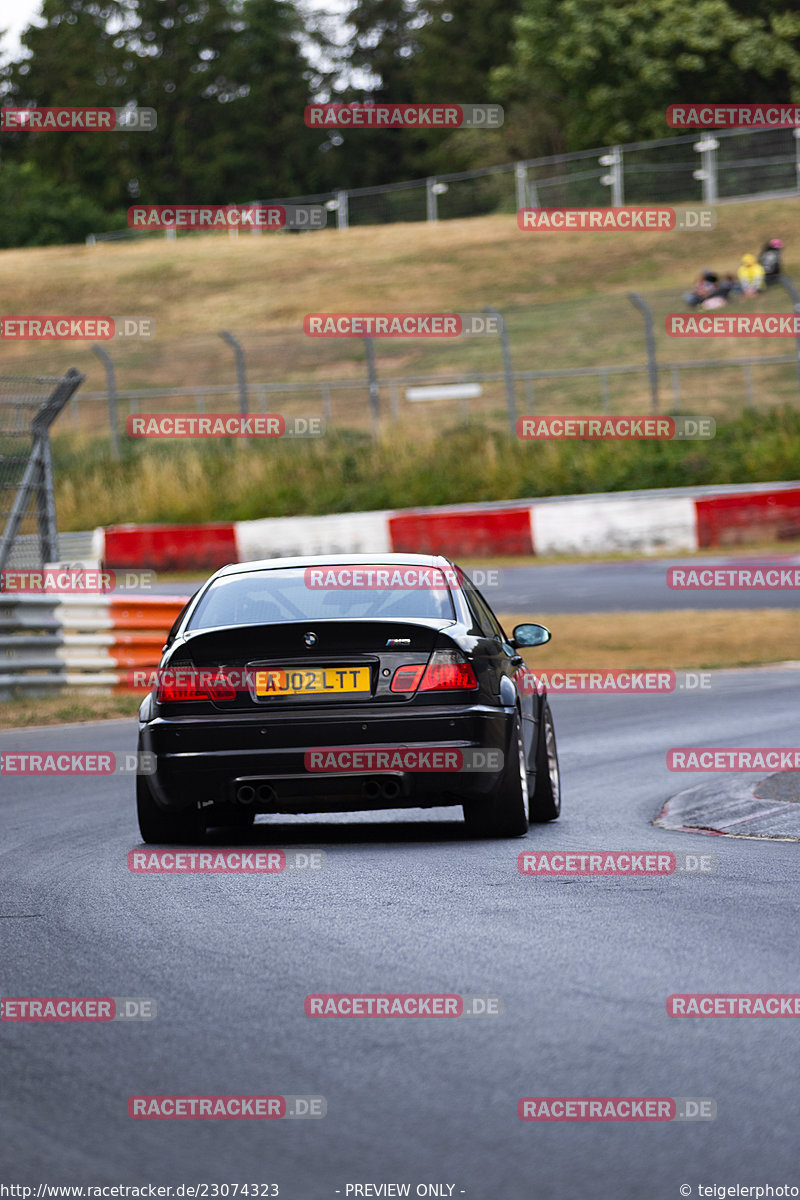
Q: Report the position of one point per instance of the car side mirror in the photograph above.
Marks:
(529, 635)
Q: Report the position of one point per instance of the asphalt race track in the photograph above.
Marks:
(404, 903)
(626, 585)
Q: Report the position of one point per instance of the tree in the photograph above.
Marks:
(374, 64)
(459, 45)
(263, 148)
(75, 58)
(604, 71)
(176, 50)
(227, 79)
(36, 211)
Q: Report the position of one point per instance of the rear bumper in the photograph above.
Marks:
(204, 760)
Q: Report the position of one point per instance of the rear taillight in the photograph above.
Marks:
(446, 671)
(185, 687)
(406, 679)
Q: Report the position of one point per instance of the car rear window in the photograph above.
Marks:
(325, 593)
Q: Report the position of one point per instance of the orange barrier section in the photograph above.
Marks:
(140, 626)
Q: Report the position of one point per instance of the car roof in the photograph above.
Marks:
(336, 560)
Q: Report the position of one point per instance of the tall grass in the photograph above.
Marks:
(347, 471)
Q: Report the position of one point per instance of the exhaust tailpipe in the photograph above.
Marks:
(391, 789)
(266, 794)
(245, 794)
(372, 789)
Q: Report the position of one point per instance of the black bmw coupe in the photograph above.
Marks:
(345, 683)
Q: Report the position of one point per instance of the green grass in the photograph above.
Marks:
(564, 297)
(349, 472)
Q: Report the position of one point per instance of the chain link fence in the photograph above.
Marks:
(28, 407)
(574, 356)
(695, 168)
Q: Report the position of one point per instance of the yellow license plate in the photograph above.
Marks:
(312, 681)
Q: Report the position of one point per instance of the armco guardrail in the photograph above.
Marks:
(57, 640)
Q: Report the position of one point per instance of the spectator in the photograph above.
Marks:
(722, 293)
(728, 287)
(704, 286)
(770, 260)
(750, 276)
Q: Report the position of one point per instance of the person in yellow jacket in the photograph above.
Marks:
(750, 276)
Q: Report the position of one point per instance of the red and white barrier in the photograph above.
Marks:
(665, 520)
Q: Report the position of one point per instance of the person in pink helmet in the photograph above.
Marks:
(770, 260)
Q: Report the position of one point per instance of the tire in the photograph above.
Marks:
(545, 800)
(181, 828)
(505, 813)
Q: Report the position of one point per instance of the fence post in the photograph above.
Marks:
(788, 286)
(372, 382)
(241, 371)
(431, 207)
(614, 178)
(650, 341)
(342, 210)
(707, 174)
(521, 175)
(111, 389)
(508, 371)
(37, 478)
